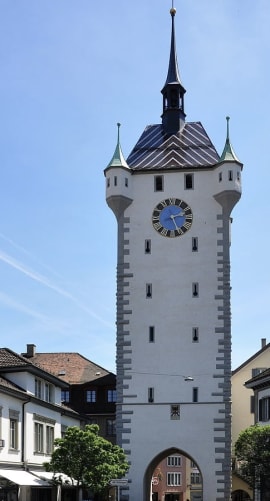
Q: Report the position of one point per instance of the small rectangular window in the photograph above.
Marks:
(91, 396)
(230, 175)
(148, 290)
(195, 289)
(195, 334)
(147, 246)
(65, 396)
(220, 176)
(151, 334)
(38, 388)
(108, 182)
(126, 182)
(150, 395)
(158, 183)
(38, 438)
(173, 478)
(49, 439)
(189, 181)
(174, 460)
(252, 404)
(238, 176)
(175, 411)
(115, 180)
(110, 427)
(111, 395)
(195, 392)
(13, 434)
(194, 244)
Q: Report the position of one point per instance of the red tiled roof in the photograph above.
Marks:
(70, 367)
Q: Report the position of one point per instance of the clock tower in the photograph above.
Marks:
(173, 198)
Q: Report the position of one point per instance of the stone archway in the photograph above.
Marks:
(172, 476)
(240, 495)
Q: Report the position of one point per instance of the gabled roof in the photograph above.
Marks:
(12, 362)
(260, 380)
(71, 367)
(253, 357)
(190, 148)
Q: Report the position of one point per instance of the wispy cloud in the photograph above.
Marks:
(44, 281)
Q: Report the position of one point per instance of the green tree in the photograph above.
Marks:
(252, 450)
(88, 458)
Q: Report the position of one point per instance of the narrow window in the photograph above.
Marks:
(188, 181)
(158, 183)
(38, 430)
(108, 182)
(65, 396)
(151, 334)
(230, 174)
(195, 289)
(194, 394)
(238, 176)
(13, 434)
(147, 246)
(115, 180)
(148, 290)
(195, 334)
(150, 395)
(49, 439)
(194, 244)
(48, 392)
(220, 176)
(175, 411)
(252, 404)
(38, 388)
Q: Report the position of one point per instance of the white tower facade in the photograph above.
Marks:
(173, 198)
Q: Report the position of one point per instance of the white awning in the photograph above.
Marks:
(21, 477)
(49, 475)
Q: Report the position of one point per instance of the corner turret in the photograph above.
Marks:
(118, 181)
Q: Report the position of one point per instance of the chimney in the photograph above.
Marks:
(31, 350)
(263, 340)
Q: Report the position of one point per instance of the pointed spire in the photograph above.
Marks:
(173, 116)
(228, 154)
(118, 159)
(173, 70)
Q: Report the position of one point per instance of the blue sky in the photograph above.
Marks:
(70, 70)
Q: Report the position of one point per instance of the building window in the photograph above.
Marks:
(147, 246)
(195, 478)
(175, 411)
(220, 176)
(13, 434)
(150, 395)
(188, 181)
(148, 290)
(158, 183)
(49, 439)
(115, 180)
(91, 396)
(173, 478)
(126, 182)
(111, 395)
(238, 176)
(38, 388)
(38, 441)
(48, 392)
(264, 409)
(194, 244)
(108, 182)
(195, 289)
(151, 334)
(195, 393)
(110, 427)
(195, 334)
(174, 460)
(65, 396)
(230, 175)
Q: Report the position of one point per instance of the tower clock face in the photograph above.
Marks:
(172, 217)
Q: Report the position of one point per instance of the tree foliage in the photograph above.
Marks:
(88, 458)
(252, 450)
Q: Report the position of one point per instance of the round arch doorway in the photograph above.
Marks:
(173, 475)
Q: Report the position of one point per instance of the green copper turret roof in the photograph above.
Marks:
(118, 159)
(228, 154)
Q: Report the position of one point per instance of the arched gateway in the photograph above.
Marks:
(173, 199)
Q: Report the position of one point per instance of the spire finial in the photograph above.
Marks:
(228, 128)
(118, 159)
(173, 10)
(118, 132)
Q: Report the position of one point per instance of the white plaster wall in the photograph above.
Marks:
(8, 403)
